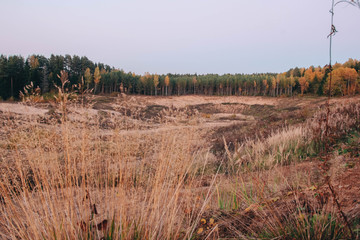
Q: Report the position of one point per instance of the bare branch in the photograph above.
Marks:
(351, 2)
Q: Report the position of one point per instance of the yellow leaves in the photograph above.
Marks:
(304, 84)
(156, 80)
(312, 188)
(147, 75)
(97, 75)
(309, 74)
(88, 76)
(344, 80)
(275, 199)
(206, 225)
(269, 201)
(33, 62)
(265, 83)
(167, 81)
(319, 73)
(351, 63)
(252, 207)
(273, 82)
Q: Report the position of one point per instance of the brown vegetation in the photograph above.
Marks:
(174, 168)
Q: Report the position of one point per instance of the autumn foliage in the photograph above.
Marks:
(345, 81)
(16, 73)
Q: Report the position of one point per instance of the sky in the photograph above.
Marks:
(182, 36)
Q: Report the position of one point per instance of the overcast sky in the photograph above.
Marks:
(182, 36)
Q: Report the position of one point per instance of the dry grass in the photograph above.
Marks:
(280, 148)
(73, 180)
(109, 172)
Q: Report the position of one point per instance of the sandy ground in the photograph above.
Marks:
(19, 108)
(88, 115)
(344, 178)
(228, 115)
(183, 101)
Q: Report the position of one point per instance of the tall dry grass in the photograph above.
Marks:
(73, 180)
(343, 118)
(282, 147)
(296, 143)
(55, 177)
(272, 206)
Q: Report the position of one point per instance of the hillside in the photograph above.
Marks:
(175, 167)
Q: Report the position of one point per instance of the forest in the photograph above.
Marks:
(16, 72)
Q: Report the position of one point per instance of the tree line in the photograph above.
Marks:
(17, 72)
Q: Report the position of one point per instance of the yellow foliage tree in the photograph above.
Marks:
(156, 82)
(97, 77)
(167, 83)
(351, 63)
(88, 77)
(309, 75)
(319, 73)
(33, 62)
(273, 85)
(266, 86)
(304, 85)
(336, 65)
(344, 81)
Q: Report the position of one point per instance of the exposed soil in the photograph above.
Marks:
(221, 120)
